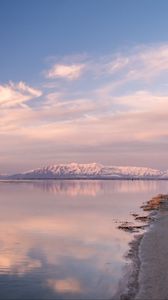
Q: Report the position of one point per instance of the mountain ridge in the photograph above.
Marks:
(89, 171)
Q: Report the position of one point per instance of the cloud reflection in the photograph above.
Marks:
(69, 285)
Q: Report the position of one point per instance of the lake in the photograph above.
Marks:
(59, 239)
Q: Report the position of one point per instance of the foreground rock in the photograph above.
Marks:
(131, 227)
(155, 203)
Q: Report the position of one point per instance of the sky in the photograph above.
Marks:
(83, 81)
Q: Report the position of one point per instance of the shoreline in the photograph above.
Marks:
(147, 277)
(81, 178)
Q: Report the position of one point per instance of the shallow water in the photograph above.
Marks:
(59, 239)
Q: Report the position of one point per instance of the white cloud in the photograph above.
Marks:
(12, 94)
(118, 64)
(142, 63)
(70, 72)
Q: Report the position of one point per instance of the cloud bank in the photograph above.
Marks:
(112, 109)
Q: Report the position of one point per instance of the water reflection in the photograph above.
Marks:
(72, 188)
(75, 188)
(52, 247)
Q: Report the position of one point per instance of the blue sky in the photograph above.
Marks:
(91, 68)
(33, 30)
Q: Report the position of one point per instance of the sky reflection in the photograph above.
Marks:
(58, 240)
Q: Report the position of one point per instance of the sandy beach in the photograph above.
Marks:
(153, 254)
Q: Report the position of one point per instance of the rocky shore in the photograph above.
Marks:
(148, 278)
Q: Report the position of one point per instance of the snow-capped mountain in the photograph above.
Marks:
(92, 171)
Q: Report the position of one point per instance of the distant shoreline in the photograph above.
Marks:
(83, 178)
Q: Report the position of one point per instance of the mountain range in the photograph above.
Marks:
(88, 171)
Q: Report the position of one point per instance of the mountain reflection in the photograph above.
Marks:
(70, 187)
(74, 188)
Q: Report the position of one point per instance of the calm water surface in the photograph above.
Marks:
(59, 239)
